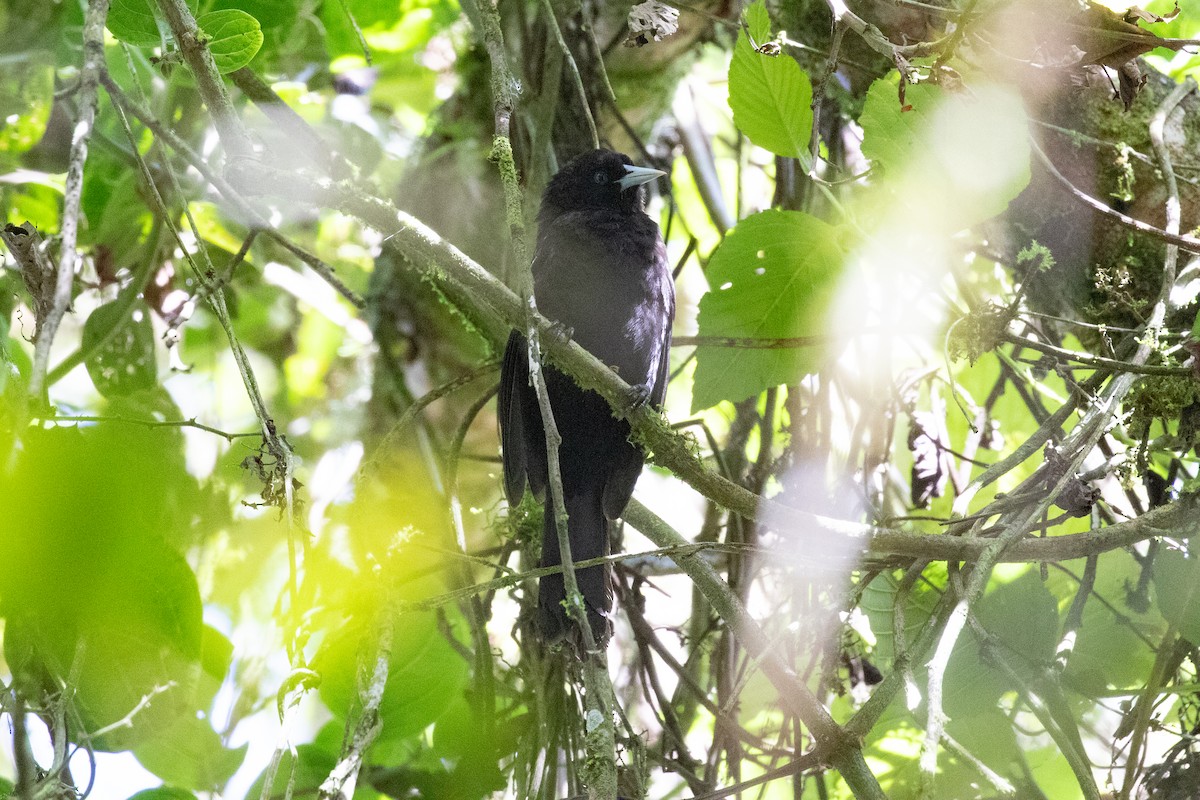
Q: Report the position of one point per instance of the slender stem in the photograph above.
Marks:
(573, 68)
(843, 751)
(341, 781)
(1189, 243)
(600, 768)
(1099, 362)
(93, 66)
(484, 14)
(193, 45)
(153, 423)
(248, 212)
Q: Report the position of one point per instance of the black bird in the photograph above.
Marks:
(600, 270)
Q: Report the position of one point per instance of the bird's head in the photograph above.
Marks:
(599, 179)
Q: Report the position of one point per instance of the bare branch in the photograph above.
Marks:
(93, 66)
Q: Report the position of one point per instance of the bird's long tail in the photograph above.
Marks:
(588, 531)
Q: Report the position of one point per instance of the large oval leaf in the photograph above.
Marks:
(133, 22)
(425, 674)
(773, 277)
(190, 754)
(121, 341)
(954, 158)
(1177, 584)
(770, 96)
(233, 38)
(88, 582)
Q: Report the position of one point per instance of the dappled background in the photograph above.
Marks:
(937, 302)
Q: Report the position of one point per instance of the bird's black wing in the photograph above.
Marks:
(658, 391)
(629, 458)
(523, 444)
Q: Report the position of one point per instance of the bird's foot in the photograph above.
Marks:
(639, 396)
(560, 333)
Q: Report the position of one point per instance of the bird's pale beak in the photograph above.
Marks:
(636, 176)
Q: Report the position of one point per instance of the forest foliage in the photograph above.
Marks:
(921, 502)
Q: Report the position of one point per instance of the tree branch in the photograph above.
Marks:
(193, 45)
(93, 66)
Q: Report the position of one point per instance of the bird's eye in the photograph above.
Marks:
(600, 177)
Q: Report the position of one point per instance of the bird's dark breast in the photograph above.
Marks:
(604, 277)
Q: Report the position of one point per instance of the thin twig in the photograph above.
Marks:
(399, 428)
(127, 720)
(154, 423)
(93, 66)
(818, 95)
(573, 68)
(844, 752)
(503, 105)
(1158, 125)
(193, 46)
(26, 764)
(1179, 520)
(341, 780)
(1099, 362)
(1189, 243)
(1074, 618)
(875, 39)
(600, 767)
(1158, 677)
(202, 165)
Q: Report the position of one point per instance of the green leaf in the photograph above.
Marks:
(774, 276)
(269, 13)
(190, 754)
(1022, 616)
(770, 96)
(26, 95)
(163, 793)
(216, 656)
(892, 133)
(1196, 327)
(121, 342)
(88, 582)
(133, 22)
(425, 674)
(954, 159)
(1109, 651)
(313, 764)
(1177, 585)
(117, 215)
(234, 37)
(459, 738)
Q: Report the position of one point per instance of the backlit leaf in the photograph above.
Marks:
(133, 22)
(121, 341)
(772, 277)
(234, 37)
(769, 94)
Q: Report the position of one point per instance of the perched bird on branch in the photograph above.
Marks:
(600, 270)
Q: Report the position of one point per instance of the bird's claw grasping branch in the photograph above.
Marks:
(639, 396)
